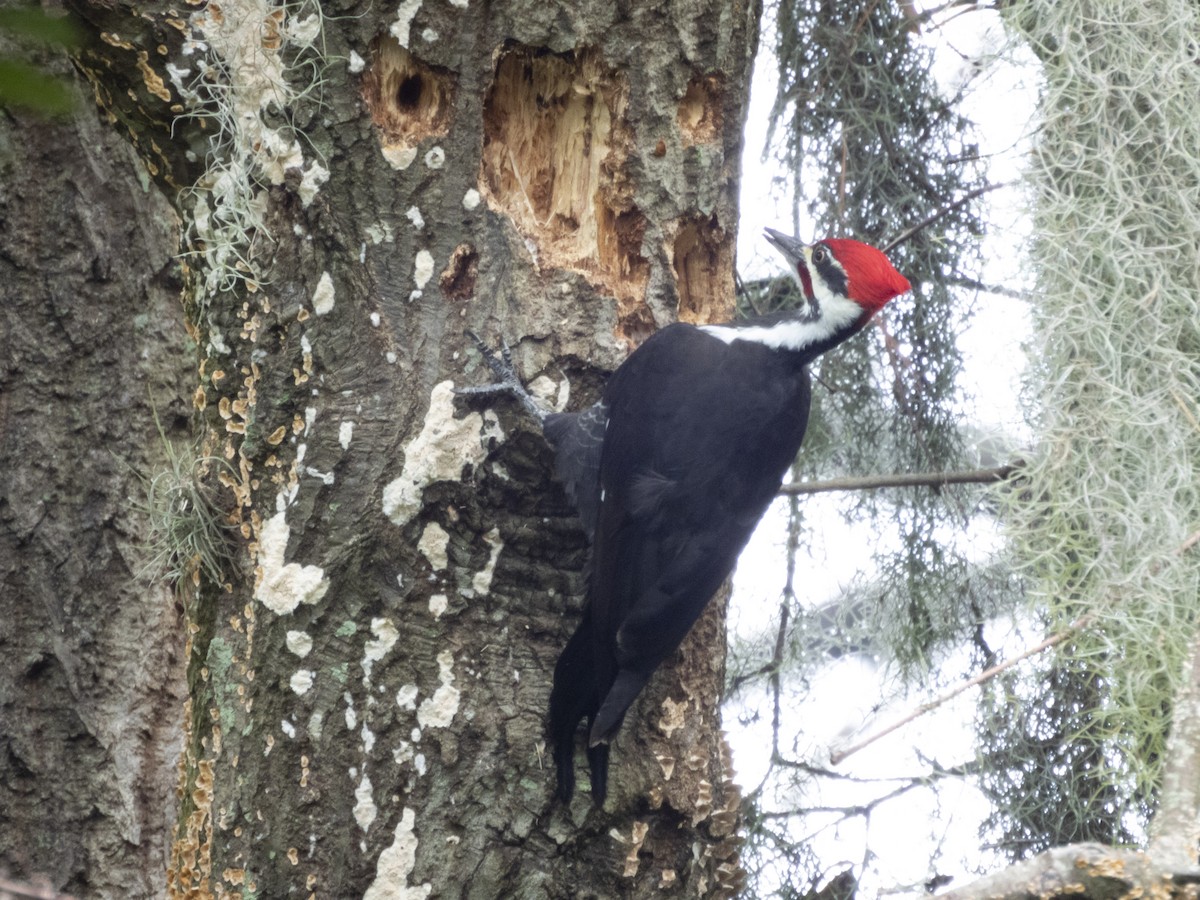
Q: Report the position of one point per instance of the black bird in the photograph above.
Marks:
(672, 469)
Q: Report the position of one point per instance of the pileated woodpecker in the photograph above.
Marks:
(672, 469)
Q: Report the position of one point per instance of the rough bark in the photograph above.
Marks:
(91, 652)
(369, 677)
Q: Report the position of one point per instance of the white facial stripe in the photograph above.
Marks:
(837, 313)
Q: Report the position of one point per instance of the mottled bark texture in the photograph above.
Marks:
(369, 677)
(91, 643)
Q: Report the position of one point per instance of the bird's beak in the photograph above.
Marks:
(792, 248)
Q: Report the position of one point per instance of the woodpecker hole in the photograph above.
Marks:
(555, 155)
(703, 261)
(409, 100)
(408, 95)
(700, 110)
(457, 280)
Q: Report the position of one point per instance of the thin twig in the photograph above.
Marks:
(945, 210)
(902, 479)
(983, 676)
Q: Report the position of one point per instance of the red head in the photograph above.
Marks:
(840, 267)
(871, 280)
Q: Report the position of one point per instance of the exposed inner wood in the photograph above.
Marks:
(554, 162)
(699, 114)
(703, 261)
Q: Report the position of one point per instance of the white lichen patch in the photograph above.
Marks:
(438, 604)
(402, 753)
(345, 434)
(385, 637)
(357, 63)
(380, 232)
(551, 393)
(422, 269)
(471, 199)
(406, 697)
(395, 865)
(433, 544)
(300, 643)
(435, 158)
(365, 810)
(324, 477)
(322, 299)
(443, 448)
(439, 710)
(303, 31)
(429, 35)
(481, 581)
(405, 14)
(413, 214)
(398, 156)
(282, 587)
(314, 176)
(302, 681)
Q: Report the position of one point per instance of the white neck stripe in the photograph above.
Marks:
(837, 314)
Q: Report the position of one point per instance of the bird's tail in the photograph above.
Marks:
(607, 720)
(575, 696)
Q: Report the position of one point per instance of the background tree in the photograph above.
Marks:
(369, 642)
(91, 650)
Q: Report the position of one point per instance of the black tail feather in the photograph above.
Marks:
(574, 697)
(607, 722)
(598, 772)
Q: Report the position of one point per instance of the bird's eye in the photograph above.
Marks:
(820, 254)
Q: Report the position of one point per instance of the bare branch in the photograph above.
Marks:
(1173, 831)
(999, 290)
(902, 479)
(1084, 870)
(1058, 638)
(966, 198)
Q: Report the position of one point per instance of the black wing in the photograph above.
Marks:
(577, 439)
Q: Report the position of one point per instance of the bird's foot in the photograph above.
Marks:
(507, 381)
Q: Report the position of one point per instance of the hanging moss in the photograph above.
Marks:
(1114, 483)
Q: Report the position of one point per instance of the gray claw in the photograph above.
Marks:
(507, 381)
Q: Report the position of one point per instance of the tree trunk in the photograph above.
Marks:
(369, 672)
(91, 646)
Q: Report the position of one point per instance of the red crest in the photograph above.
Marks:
(871, 280)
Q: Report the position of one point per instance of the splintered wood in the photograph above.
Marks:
(556, 146)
